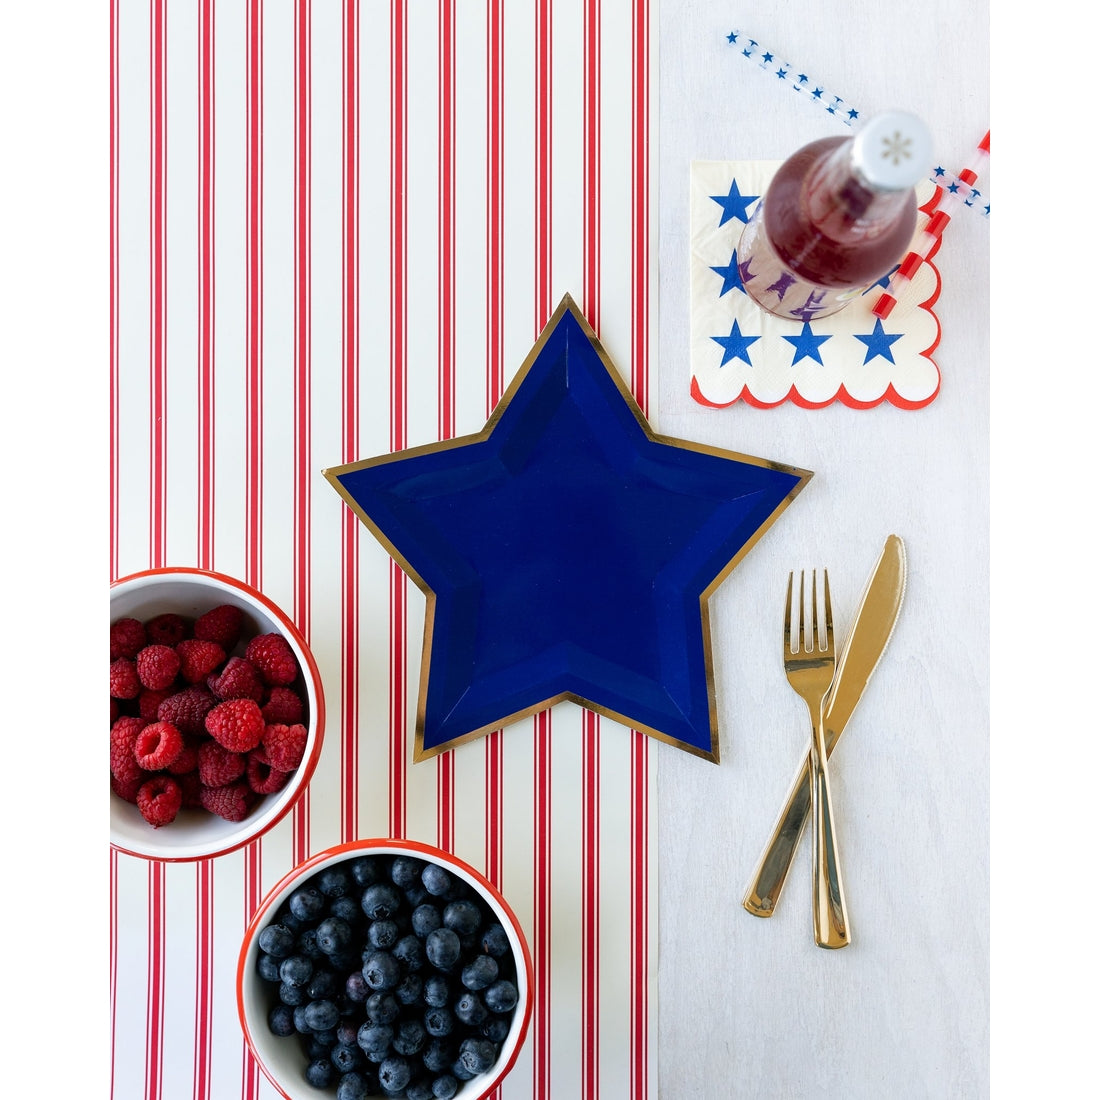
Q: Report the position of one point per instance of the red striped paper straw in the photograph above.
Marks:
(953, 198)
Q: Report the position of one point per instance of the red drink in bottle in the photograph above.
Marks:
(837, 216)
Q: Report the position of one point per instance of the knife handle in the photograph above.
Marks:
(830, 911)
(771, 872)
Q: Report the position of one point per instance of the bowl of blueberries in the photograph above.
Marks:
(384, 968)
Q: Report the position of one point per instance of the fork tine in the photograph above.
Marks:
(802, 612)
(787, 614)
(815, 637)
(828, 613)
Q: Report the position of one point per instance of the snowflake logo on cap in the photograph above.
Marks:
(896, 148)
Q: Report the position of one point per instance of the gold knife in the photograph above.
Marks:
(870, 631)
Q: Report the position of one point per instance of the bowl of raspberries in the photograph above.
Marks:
(384, 968)
(216, 714)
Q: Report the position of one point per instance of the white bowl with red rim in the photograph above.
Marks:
(197, 834)
(282, 1059)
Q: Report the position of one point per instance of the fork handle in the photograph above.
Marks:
(767, 882)
(830, 910)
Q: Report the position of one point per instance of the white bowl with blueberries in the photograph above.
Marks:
(217, 714)
(384, 968)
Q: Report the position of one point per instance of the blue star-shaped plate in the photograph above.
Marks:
(567, 551)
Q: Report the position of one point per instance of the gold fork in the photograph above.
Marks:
(810, 667)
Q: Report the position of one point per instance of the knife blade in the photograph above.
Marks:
(872, 626)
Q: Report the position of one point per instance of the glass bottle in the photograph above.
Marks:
(837, 216)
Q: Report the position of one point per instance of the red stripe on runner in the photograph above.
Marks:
(303, 383)
(590, 907)
(543, 906)
(445, 806)
(158, 380)
(544, 123)
(640, 243)
(204, 976)
(254, 331)
(349, 760)
(398, 394)
(112, 881)
(639, 916)
(154, 997)
(206, 288)
(494, 219)
(592, 163)
(253, 863)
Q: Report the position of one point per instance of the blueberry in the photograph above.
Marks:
(470, 1009)
(296, 970)
(323, 984)
(363, 870)
(480, 973)
(375, 1039)
(277, 940)
(409, 1037)
(394, 1073)
(439, 1022)
(346, 908)
(292, 994)
(333, 935)
(438, 1055)
(416, 895)
(346, 1057)
(381, 970)
(382, 1008)
(356, 988)
(426, 918)
(420, 1090)
(344, 961)
(444, 1087)
(347, 1029)
(322, 1015)
(437, 991)
(334, 882)
(353, 1086)
(494, 941)
(501, 996)
(461, 1072)
(318, 1046)
(381, 901)
(383, 933)
(306, 903)
(320, 1073)
(443, 948)
(280, 1020)
(462, 916)
(496, 1028)
(307, 945)
(301, 1025)
(477, 1055)
(411, 990)
(406, 870)
(409, 951)
(436, 880)
(267, 966)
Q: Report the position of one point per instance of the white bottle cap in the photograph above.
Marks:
(893, 151)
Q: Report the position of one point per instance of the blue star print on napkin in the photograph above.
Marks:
(734, 204)
(567, 552)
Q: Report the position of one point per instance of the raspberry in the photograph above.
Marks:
(285, 746)
(128, 788)
(190, 786)
(158, 745)
(272, 655)
(159, 800)
(149, 702)
(168, 629)
(124, 731)
(188, 759)
(222, 625)
(284, 706)
(240, 679)
(127, 638)
(187, 710)
(124, 766)
(262, 777)
(218, 767)
(237, 724)
(157, 666)
(232, 802)
(124, 679)
(198, 659)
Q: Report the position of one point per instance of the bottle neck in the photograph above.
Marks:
(838, 197)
